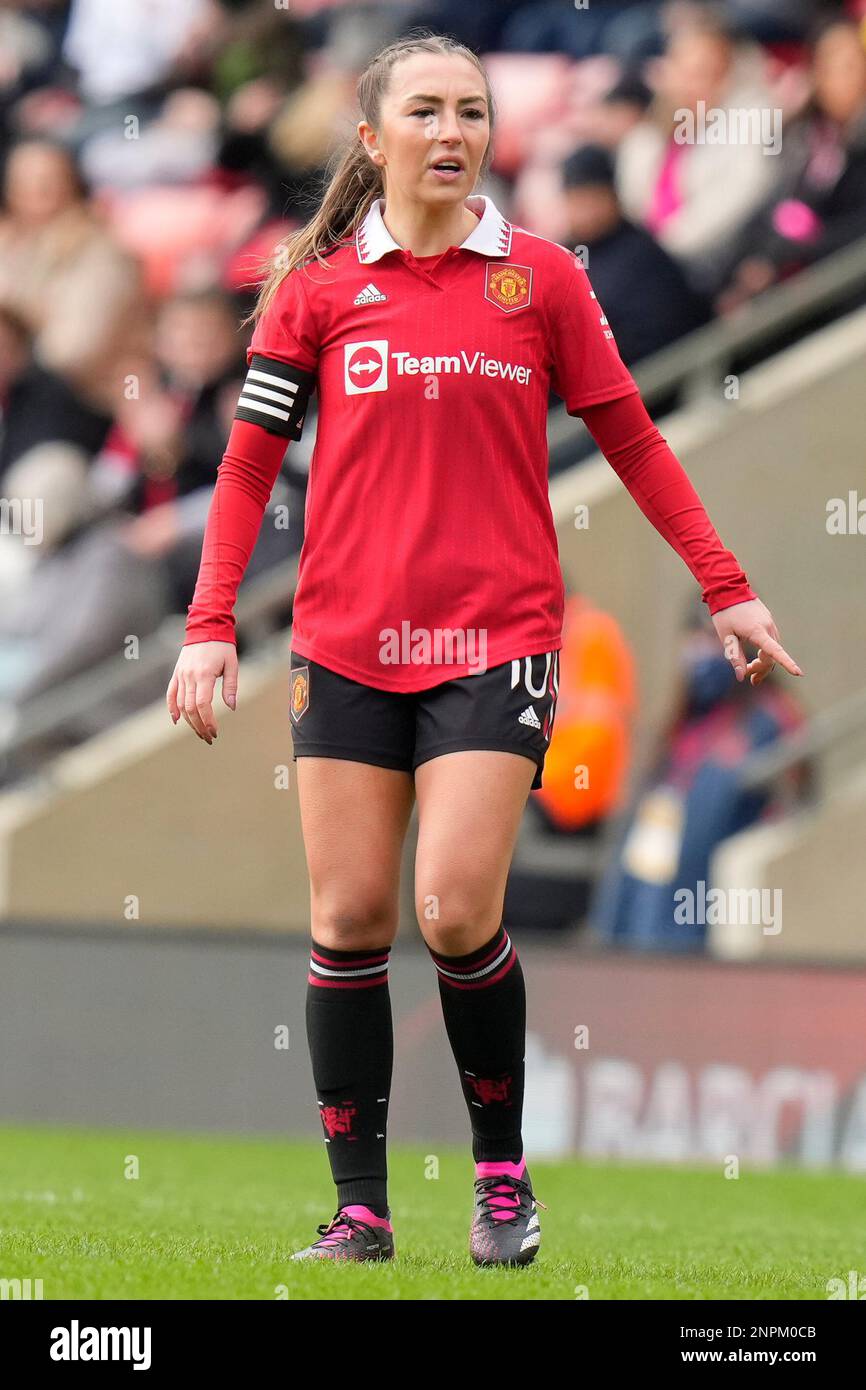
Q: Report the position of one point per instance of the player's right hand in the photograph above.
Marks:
(190, 690)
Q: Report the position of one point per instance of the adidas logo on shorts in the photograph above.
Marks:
(530, 717)
(370, 295)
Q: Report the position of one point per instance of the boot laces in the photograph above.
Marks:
(340, 1229)
(500, 1198)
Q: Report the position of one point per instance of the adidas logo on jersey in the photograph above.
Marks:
(370, 295)
(530, 717)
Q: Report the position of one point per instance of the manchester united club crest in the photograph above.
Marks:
(487, 1091)
(509, 286)
(300, 691)
(337, 1119)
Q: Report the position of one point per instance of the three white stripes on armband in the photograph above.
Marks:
(276, 389)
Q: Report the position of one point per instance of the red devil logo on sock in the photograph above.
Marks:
(337, 1119)
(490, 1090)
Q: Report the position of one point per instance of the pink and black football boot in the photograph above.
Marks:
(353, 1233)
(505, 1226)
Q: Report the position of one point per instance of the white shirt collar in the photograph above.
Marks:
(491, 237)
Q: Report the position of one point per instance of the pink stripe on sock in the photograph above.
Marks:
(486, 982)
(378, 959)
(456, 962)
(347, 984)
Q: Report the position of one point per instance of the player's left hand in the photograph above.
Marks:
(752, 622)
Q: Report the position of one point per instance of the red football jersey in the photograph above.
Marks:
(429, 546)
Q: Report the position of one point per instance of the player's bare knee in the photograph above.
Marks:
(455, 925)
(354, 926)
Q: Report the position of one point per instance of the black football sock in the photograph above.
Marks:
(484, 1007)
(351, 1040)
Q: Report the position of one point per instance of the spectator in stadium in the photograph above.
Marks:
(692, 798)
(177, 423)
(478, 25)
(820, 205)
(27, 56)
(644, 292)
(44, 637)
(781, 21)
(167, 440)
(62, 271)
(621, 108)
(127, 539)
(178, 146)
(170, 432)
(45, 491)
(669, 175)
(629, 29)
(37, 406)
(125, 58)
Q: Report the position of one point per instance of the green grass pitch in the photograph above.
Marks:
(218, 1218)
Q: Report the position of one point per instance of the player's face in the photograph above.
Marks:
(435, 110)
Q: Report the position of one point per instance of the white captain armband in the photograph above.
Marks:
(275, 395)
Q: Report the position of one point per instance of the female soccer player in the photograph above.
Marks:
(428, 615)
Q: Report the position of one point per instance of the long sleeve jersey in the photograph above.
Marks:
(428, 500)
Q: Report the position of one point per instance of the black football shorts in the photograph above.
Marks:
(510, 708)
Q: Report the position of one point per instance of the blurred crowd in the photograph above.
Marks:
(155, 151)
